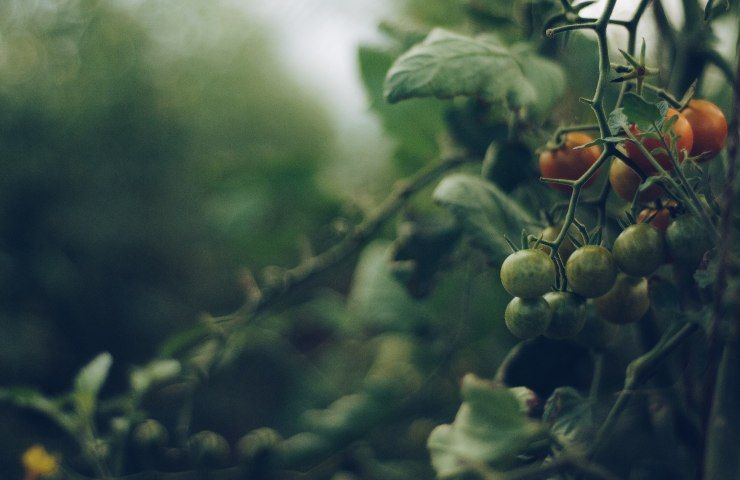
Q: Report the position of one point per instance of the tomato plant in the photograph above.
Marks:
(681, 128)
(606, 363)
(568, 162)
(709, 128)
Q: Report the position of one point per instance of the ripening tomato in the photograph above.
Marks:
(639, 250)
(660, 218)
(528, 273)
(551, 232)
(567, 163)
(682, 128)
(527, 317)
(591, 271)
(626, 181)
(627, 301)
(687, 240)
(709, 126)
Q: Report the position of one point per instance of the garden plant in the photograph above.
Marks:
(552, 291)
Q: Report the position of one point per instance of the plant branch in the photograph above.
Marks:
(640, 371)
(358, 237)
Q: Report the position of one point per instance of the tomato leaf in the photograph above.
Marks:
(485, 212)
(616, 120)
(377, 300)
(571, 419)
(490, 428)
(448, 64)
(89, 381)
(641, 112)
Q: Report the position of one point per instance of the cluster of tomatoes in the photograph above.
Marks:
(603, 285)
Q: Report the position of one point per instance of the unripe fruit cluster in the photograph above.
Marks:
(614, 281)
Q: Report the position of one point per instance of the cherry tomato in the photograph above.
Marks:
(626, 181)
(685, 141)
(709, 126)
(596, 333)
(150, 436)
(639, 250)
(567, 314)
(527, 317)
(687, 240)
(660, 218)
(528, 273)
(567, 163)
(566, 248)
(208, 450)
(626, 302)
(591, 271)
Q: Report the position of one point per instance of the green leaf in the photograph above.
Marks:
(571, 419)
(448, 64)
(32, 399)
(649, 182)
(641, 112)
(490, 428)
(616, 120)
(157, 371)
(486, 213)
(546, 78)
(89, 381)
(26, 397)
(414, 126)
(377, 300)
(600, 142)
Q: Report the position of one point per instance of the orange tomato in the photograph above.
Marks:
(626, 181)
(685, 141)
(567, 163)
(709, 126)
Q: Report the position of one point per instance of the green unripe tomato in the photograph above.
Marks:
(596, 333)
(566, 248)
(208, 450)
(591, 271)
(257, 444)
(150, 435)
(527, 317)
(567, 315)
(639, 250)
(626, 302)
(528, 273)
(687, 241)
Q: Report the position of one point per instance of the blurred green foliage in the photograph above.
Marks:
(153, 149)
(149, 152)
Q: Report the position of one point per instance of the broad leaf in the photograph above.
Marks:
(485, 212)
(490, 428)
(448, 64)
(414, 126)
(616, 120)
(378, 301)
(641, 112)
(571, 419)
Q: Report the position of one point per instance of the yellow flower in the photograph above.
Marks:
(39, 463)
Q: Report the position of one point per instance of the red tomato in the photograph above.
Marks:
(626, 181)
(685, 141)
(567, 163)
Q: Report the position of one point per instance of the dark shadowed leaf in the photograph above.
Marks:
(486, 213)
